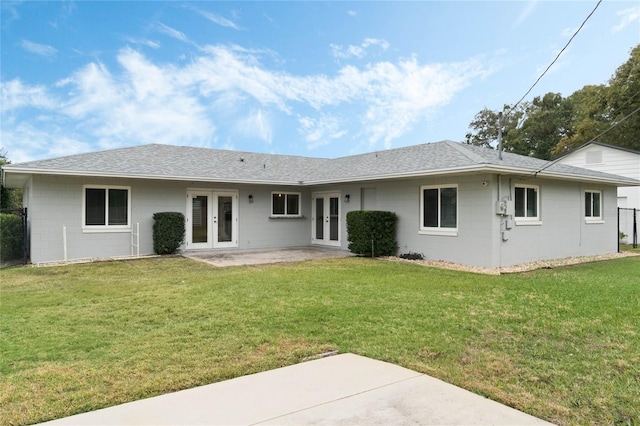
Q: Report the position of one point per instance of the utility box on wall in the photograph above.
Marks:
(505, 207)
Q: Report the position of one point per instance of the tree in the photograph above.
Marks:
(609, 114)
(548, 119)
(485, 127)
(9, 198)
(624, 103)
(589, 118)
(551, 125)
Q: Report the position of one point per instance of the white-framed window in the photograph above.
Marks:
(106, 208)
(527, 204)
(593, 205)
(439, 209)
(285, 203)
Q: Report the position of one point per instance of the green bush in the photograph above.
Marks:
(372, 232)
(10, 236)
(168, 232)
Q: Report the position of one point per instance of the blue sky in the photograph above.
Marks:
(319, 79)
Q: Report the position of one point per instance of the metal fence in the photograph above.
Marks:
(14, 244)
(628, 226)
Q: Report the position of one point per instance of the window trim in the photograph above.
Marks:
(593, 219)
(106, 227)
(285, 193)
(528, 220)
(439, 230)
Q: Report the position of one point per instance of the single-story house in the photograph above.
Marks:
(612, 159)
(455, 202)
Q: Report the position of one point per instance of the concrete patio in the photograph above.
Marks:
(259, 257)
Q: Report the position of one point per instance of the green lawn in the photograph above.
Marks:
(562, 344)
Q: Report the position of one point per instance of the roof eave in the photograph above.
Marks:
(585, 178)
(148, 176)
(477, 168)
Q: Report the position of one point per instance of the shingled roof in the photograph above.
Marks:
(169, 162)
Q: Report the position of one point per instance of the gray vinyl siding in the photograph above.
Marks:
(56, 202)
(474, 244)
(257, 229)
(564, 231)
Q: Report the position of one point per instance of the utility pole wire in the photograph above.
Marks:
(556, 58)
(551, 163)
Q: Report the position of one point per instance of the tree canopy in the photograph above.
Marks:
(552, 125)
(9, 198)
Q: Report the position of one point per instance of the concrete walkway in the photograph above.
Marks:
(259, 257)
(344, 389)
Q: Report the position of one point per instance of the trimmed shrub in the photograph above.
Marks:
(10, 236)
(168, 232)
(372, 232)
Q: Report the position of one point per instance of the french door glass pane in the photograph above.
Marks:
(199, 228)
(225, 219)
(319, 218)
(333, 218)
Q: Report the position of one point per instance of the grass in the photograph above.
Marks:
(629, 247)
(560, 344)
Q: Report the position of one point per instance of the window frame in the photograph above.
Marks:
(438, 230)
(106, 227)
(286, 195)
(591, 218)
(527, 220)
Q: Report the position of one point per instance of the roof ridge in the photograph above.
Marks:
(466, 152)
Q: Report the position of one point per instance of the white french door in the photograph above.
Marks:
(212, 219)
(325, 220)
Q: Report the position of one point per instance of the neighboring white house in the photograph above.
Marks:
(612, 159)
(455, 202)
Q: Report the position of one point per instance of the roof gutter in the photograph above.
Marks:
(480, 168)
(485, 168)
(148, 177)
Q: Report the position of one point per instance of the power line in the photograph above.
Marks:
(551, 163)
(556, 58)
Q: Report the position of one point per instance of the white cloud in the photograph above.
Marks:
(352, 13)
(39, 49)
(219, 20)
(143, 42)
(524, 14)
(189, 104)
(342, 52)
(255, 125)
(144, 105)
(50, 142)
(628, 16)
(321, 130)
(171, 32)
(16, 95)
